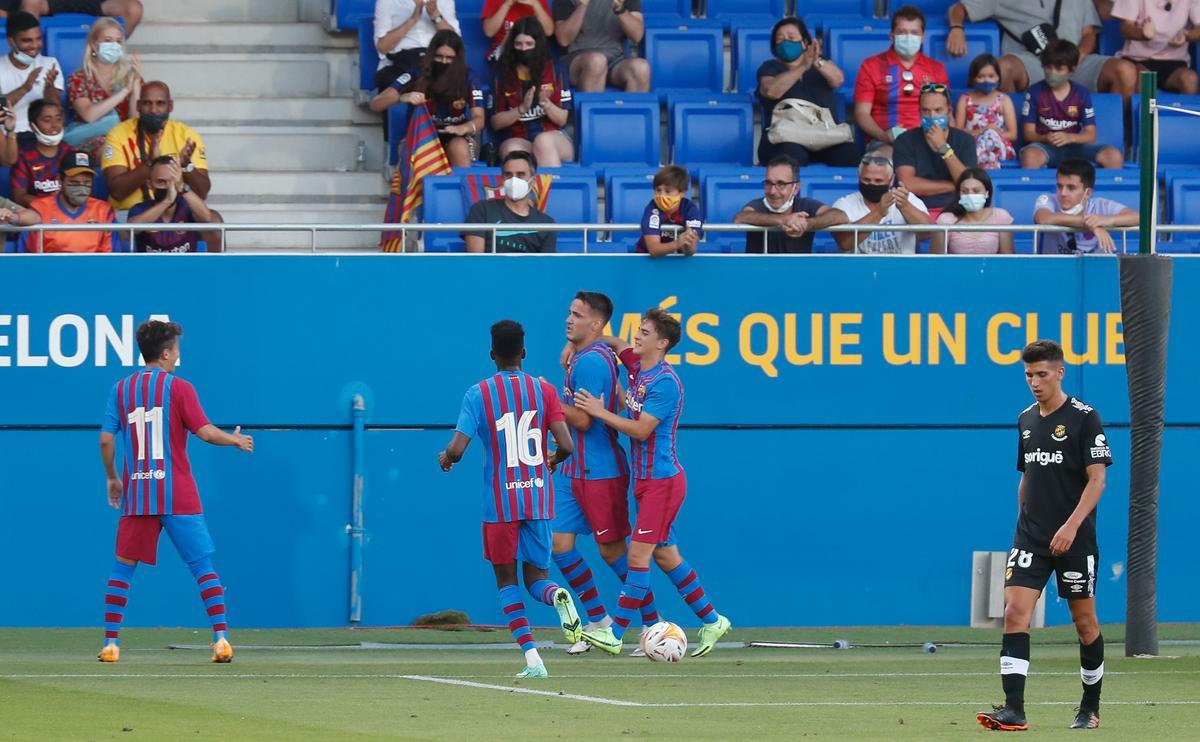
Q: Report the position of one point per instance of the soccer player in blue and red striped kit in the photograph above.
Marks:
(153, 410)
(655, 406)
(510, 413)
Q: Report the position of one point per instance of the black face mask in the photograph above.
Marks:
(523, 56)
(152, 123)
(873, 193)
(437, 69)
(160, 194)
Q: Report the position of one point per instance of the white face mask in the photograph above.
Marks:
(50, 140)
(516, 189)
(785, 208)
(1077, 209)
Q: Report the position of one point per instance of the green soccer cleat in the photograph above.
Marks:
(603, 638)
(533, 673)
(710, 633)
(571, 625)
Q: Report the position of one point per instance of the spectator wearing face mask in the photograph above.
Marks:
(671, 222)
(25, 74)
(782, 206)
(887, 85)
(533, 101)
(403, 30)
(38, 170)
(128, 10)
(974, 206)
(105, 88)
(133, 144)
(73, 205)
(877, 204)
(515, 208)
(1075, 205)
(174, 203)
(987, 114)
(929, 160)
(499, 16)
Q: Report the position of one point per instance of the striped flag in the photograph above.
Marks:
(423, 155)
(482, 187)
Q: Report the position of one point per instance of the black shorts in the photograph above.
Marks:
(1164, 67)
(87, 7)
(1076, 574)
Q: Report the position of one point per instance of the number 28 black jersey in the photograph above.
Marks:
(1054, 452)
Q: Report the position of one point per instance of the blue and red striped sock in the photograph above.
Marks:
(213, 595)
(687, 582)
(649, 609)
(514, 613)
(544, 590)
(116, 597)
(637, 582)
(579, 576)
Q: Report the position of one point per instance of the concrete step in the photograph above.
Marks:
(273, 111)
(253, 75)
(252, 184)
(292, 148)
(221, 11)
(235, 37)
(291, 213)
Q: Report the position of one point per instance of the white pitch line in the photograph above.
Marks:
(559, 676)
(526, 691)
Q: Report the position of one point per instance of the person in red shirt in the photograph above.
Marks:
(73, 205)
(500, 15)
(887, 91)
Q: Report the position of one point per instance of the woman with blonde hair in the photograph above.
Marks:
(105, 89)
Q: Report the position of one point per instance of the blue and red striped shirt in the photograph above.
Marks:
(510, 413)
(598, 453)
(152, 411)
(659, 392)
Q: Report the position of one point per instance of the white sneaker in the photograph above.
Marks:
(579, 647)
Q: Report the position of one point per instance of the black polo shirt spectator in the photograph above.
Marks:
(777, 241)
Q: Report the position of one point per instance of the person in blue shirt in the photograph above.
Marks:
(671, 222)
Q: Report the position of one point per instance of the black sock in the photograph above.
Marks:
(1091, 670)
(1014, 666)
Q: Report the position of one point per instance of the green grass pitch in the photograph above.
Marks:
(52, 688)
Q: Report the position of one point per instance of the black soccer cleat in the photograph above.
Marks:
(1086, 719)
(1003, 719)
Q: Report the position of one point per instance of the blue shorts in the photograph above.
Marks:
(518, 541)
(568, 516)
(137, 537)
(1056, 155)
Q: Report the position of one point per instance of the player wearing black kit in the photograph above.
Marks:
(1062, 453)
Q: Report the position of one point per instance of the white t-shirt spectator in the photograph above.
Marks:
(12, 78)
(392, 13)
(880, 242)
(1071, 243)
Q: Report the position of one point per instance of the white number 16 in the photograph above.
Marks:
(519, 437)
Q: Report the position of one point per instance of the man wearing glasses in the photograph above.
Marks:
(929, 159)
(782, 206)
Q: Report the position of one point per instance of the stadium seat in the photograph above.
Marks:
(931, 8)
(477, 43)
(574, 200)
(368, 57)
(827, 185)
(6, 182)
(65, 38)
(1110, 119)
(345, 14)
(626, 194)
(750, 48)
(468, 7)
(444, 204)
(1184, 208)
(1018, 191)
(850, 47)
(817, 9)
(724, 195)
(981, 39)
(666, 12)
(712, 132)
(686, 58)
(1178, 143)
(745, 11)
(636, 120)
(397, 127)
(1110, 41)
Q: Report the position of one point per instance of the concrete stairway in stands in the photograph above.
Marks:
(271, 93)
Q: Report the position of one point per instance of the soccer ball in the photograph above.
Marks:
(664, 642)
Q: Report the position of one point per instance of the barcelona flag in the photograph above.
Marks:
(422, 155)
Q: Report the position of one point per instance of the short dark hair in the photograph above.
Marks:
(971, 173)
(977, 65)
(791, 20)
(908, 13)
(786, 161)
(154, 336)
(520, 154)
(666, 325)
(41, 104)
(597, 302)
(1078, 166)
(1042, 350)
(1060, 53)
(673, 176)
(508, 340)
(19, 22)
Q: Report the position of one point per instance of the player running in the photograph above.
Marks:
(1062, 453)
(592, 487)
(153, 410)
(655, 406)
(510, 413)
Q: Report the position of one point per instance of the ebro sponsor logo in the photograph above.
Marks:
(525, 484)
(1045, 458)
(153, 474)
(1101, 449)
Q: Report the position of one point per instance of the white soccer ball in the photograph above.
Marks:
(664, 642)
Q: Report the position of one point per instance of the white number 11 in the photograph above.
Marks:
(139, 418)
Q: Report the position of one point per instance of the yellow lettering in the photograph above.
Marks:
(1091, 353)
(1031, 328)
(913, 355)
(839, 338)
(955, 342)
(712, 349)
(766, 359)
(631, 322)
(1114, 330)
(993, 338)
(816, 347)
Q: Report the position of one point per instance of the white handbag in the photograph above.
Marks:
(807, 124)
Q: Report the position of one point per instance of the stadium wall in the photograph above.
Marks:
(838, 473)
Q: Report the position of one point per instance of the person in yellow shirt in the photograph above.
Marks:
(133, 144)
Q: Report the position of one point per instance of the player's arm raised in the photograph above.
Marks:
(1096, 474)
(212, 434)
(108, 449)
(639, 429)
(618, 345)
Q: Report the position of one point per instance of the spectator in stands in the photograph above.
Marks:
(403, 30)
(782, 206)
(173, 203)
(516, 207)
(129, 10)
(13, 213)
(533, 101)
(1057, 117)
(671, 222)
(594, 35)
(1027, 28)
(133, 144)
(974, 206)
(886, 87)
(105, 89)
(74, 205)
(453, 99)
(987, 114)
(879, 203)
(1157, 37)
(1074, 205)
(499, 16)
(799, 71)
(25, 74)
(8, 126)
(38, 170)
(929, 159)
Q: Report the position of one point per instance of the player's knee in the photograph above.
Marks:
(1086, 626)
(562, 542)
(612, 551)
(1016, 618)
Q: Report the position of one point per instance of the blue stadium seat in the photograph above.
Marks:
(1110, 120)
(827, 8)
(1017, 191)
(345, 13)
(712, 132)
(931, 8)
(637, 121)
(368, 56)
(1178, 143)
(397, 127)
(745, 11)
(444, 204)
(573, 200)
(981, 39)
(827, 185)
(1184, 209)
(468, 7)
(1110, 41)
(6, 182)
(750, 48)
(666, 12)
(851, 47)
(724, 195)
(477, 43)
(626, 194)
(686, 58)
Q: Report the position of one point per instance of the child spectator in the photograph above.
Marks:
(671, 223)
(25, 74)
(973, 206)
(533, 101)
(987, 114)
(1058, 119)
(1073, 204)
(38, 170)
(499, 16)
(105, 88)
